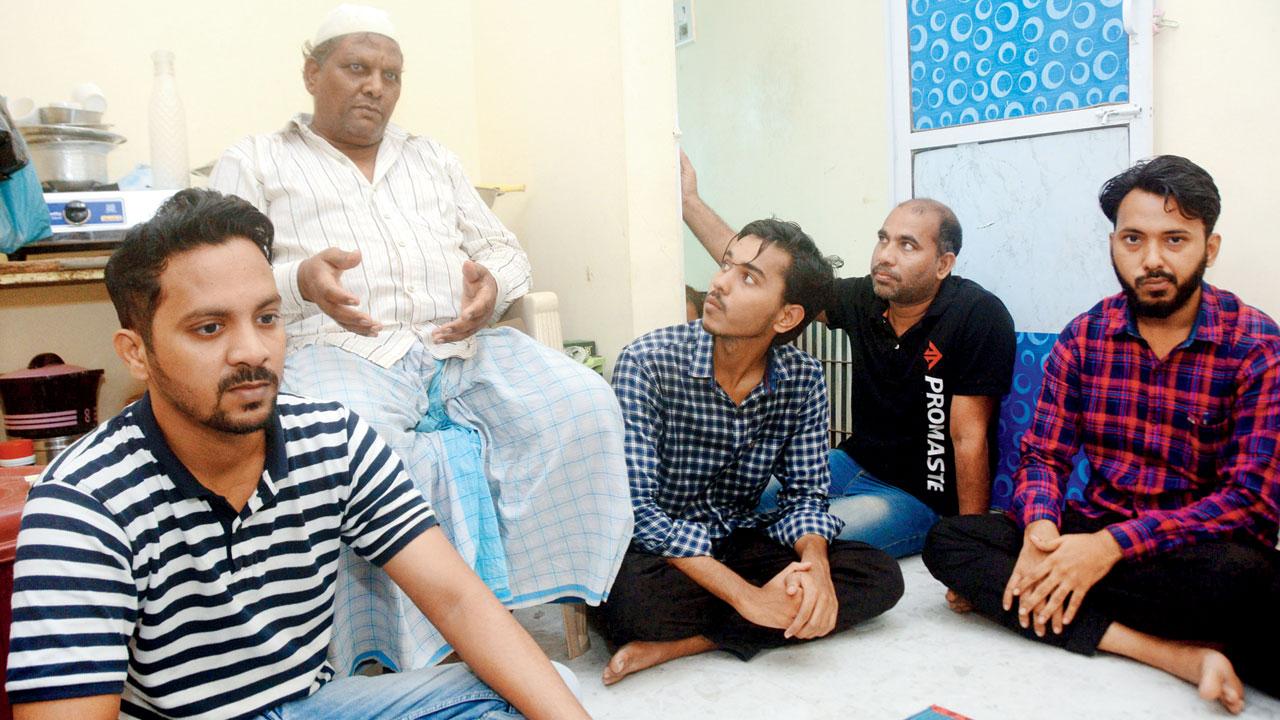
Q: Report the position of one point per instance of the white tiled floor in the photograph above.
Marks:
(918, 654)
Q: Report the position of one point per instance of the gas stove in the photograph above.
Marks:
(93, 219)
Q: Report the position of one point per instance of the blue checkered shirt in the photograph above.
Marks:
(698, 463)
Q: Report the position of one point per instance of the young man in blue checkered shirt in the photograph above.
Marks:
(713, 410)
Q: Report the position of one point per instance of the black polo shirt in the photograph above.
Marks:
(902, 386)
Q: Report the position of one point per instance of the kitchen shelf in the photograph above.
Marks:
(45, 273)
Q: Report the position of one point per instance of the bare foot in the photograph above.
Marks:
(957, 603)
(1205, 667)
(1218, 681)
(632, 657)
(642, 655)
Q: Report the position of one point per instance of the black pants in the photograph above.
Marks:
(653, 600)
(1215, 592)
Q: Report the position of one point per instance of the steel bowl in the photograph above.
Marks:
(69, 156)
(75, 164)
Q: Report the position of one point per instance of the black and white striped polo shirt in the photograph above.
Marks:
(132, 578)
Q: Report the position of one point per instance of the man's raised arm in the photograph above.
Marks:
(712, 231)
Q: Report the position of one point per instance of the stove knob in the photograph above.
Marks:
(76, 212)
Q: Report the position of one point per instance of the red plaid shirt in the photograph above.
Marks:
(1182, 449)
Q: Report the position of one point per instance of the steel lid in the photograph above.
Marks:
(36, 134)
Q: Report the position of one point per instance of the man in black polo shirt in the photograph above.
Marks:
(932, 354)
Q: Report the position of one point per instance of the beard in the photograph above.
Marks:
(1161, 309)
(219, 419)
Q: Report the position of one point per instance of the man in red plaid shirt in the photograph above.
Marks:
(1172, 390)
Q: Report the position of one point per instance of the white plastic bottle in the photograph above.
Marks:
(169, 167)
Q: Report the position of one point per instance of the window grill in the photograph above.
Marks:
(831, 349)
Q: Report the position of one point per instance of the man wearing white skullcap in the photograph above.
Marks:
(347, 19)
(391, 268)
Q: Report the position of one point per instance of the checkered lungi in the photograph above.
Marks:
(524, 467)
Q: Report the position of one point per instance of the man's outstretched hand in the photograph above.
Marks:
(319, 282)
(479, 296)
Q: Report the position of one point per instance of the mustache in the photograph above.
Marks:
(247, 375)
(882, 268)
(1157, 275)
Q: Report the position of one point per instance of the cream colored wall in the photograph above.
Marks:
(782, 107)
(1215, 101)
(576, 101)
(652, 168)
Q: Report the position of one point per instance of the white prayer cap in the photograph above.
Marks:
(346, 19)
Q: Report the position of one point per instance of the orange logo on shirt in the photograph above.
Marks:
(931, 355)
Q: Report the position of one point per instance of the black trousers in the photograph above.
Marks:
(1215, 592)
(653, 600)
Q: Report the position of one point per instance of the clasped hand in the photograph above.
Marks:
(800, 600)
(1054, 573)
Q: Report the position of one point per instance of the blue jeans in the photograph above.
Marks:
(444, 692)
(873, 512)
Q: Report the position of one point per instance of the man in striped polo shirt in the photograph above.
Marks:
(179, 561)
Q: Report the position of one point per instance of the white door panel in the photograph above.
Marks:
(1033, 233)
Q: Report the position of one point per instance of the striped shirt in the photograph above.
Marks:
(1180, 450)
(414, 225)
(698, 463)
(133, 579)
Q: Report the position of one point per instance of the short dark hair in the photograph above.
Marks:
(1169, 176)
(187, 220)
(950, 236)
(808, 282)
